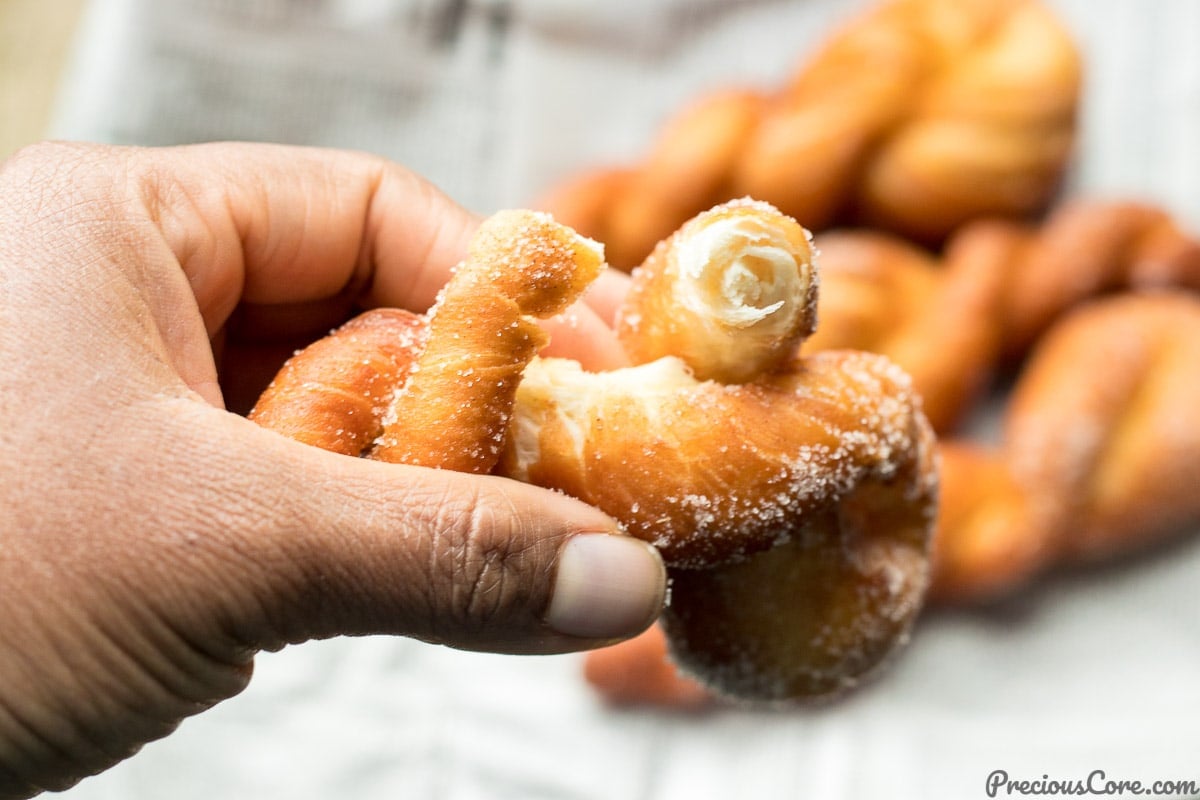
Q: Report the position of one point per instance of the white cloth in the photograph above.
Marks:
(494, 100)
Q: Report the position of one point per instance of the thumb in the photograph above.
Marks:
(331, 545)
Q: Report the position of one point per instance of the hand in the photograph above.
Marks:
(153, 541)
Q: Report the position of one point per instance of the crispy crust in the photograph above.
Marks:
(334, 393)
(453, 411)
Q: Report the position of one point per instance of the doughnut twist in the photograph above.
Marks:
(995, 291)
(1100, 452)
(639, 672)
(1100, 456)
(793, 499)
(937, 321)
(437, 391)
(793, 509)
(917, 117)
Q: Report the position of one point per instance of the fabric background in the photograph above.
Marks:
(494, 100)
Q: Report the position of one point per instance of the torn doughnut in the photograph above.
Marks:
(453, 410)
(791, 498)
(732, 293)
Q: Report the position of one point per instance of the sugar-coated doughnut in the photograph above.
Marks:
(791, 497)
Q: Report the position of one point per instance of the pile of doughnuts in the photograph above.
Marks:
(915, 118)
(791, 497)
(1092, 314)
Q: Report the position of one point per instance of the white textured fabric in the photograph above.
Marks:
(493, 101)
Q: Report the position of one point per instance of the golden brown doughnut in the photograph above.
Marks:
(792, 498)
(335, 392)
(809, 618)
(1088, 248)
(939, 322)
(988, 539)
(1008, 514)
(1100, 454)
(821, 467)
(915, 118)
(639, 672)
(819, 613)
(453, 410)
(998, 286)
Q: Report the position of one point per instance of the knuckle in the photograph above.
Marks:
(487, 562)
(54, 165)
(55, 187)
(48, 155)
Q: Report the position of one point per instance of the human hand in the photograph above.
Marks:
(152, 540)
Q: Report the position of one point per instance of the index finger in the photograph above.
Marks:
(272, 225)
(309, 224)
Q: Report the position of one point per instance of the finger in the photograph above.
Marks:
(269, 225)
(473, 562)
(580, 334)
(607, 293)
(296, 237)
(585, 333)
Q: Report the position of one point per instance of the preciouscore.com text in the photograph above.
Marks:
(1097, 782)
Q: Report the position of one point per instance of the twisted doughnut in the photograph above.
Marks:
(917, 117)
(937, 321)
(1100, 456)
(1100, 453)
(453, 410)
(437, 391)
(334, 394)
(997, 288)
(808, 483)
(796, 528)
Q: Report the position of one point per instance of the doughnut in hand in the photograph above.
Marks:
(791, 497)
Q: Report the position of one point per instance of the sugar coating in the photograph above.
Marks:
(526, 256)
(455, 407)
(863, 409)
(769, 632)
